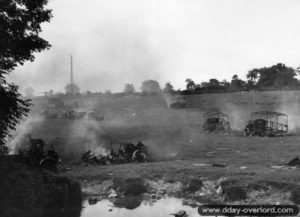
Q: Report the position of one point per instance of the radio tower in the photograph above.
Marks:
(72, 81)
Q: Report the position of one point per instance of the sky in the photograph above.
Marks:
(114, 42)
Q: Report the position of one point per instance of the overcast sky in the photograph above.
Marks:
(114, 42)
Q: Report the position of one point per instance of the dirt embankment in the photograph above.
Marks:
(197, 191)
(198, 183)
(25, 189)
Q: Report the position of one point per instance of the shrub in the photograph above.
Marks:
(129, 186)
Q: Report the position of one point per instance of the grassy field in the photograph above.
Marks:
(178, 133)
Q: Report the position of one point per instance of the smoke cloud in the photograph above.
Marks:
(290, 105)
(19, 140)
(116, 42)
(86, 135)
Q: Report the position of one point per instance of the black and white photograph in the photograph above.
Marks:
(149, 108)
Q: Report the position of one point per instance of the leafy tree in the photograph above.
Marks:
(203, 85)
(29, 92)
(72, 89)
(199, 87)
(237, 84)
(225, 84)
(20, 25)
(214, 82)
(169, 88)
(213, 85)
(235, 77)
(276, 76)
(129, 89)
(20, 22)
(190, 84)
(12, 109)
(150, 86)
(253, 75)
(88, 93)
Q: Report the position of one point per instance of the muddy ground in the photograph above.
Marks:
(235, 169)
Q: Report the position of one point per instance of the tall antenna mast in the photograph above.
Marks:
(72, 81)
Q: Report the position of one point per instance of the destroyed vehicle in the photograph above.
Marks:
(128, 152)
(267, 123)
(32, 151)
(120, 153)
(180, 103)
(94, 115)
(94, 159)
(74, 115)
(216, 121)
(49, 114)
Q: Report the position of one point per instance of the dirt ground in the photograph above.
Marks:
(181, 151)
(242, 162)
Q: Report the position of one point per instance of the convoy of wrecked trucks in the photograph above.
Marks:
(74, 115)
(262, 123)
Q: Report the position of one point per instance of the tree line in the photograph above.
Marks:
(276, 77)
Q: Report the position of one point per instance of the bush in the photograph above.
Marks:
(234, 193)
(129, 186)
(193, 186)
(295, 195)
(256, 187)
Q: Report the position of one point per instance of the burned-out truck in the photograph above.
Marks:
(267, 123)
(119, 153)
(128, 152)
(216, 122)
(32, 150)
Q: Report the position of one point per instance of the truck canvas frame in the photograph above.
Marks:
(267, 123)
(216, 121)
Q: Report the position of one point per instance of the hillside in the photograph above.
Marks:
(182, 151)
(150, 120)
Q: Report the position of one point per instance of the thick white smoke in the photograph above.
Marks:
(20, 137)
(86, 135)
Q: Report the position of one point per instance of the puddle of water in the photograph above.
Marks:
(162, 207)
(134, 208)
